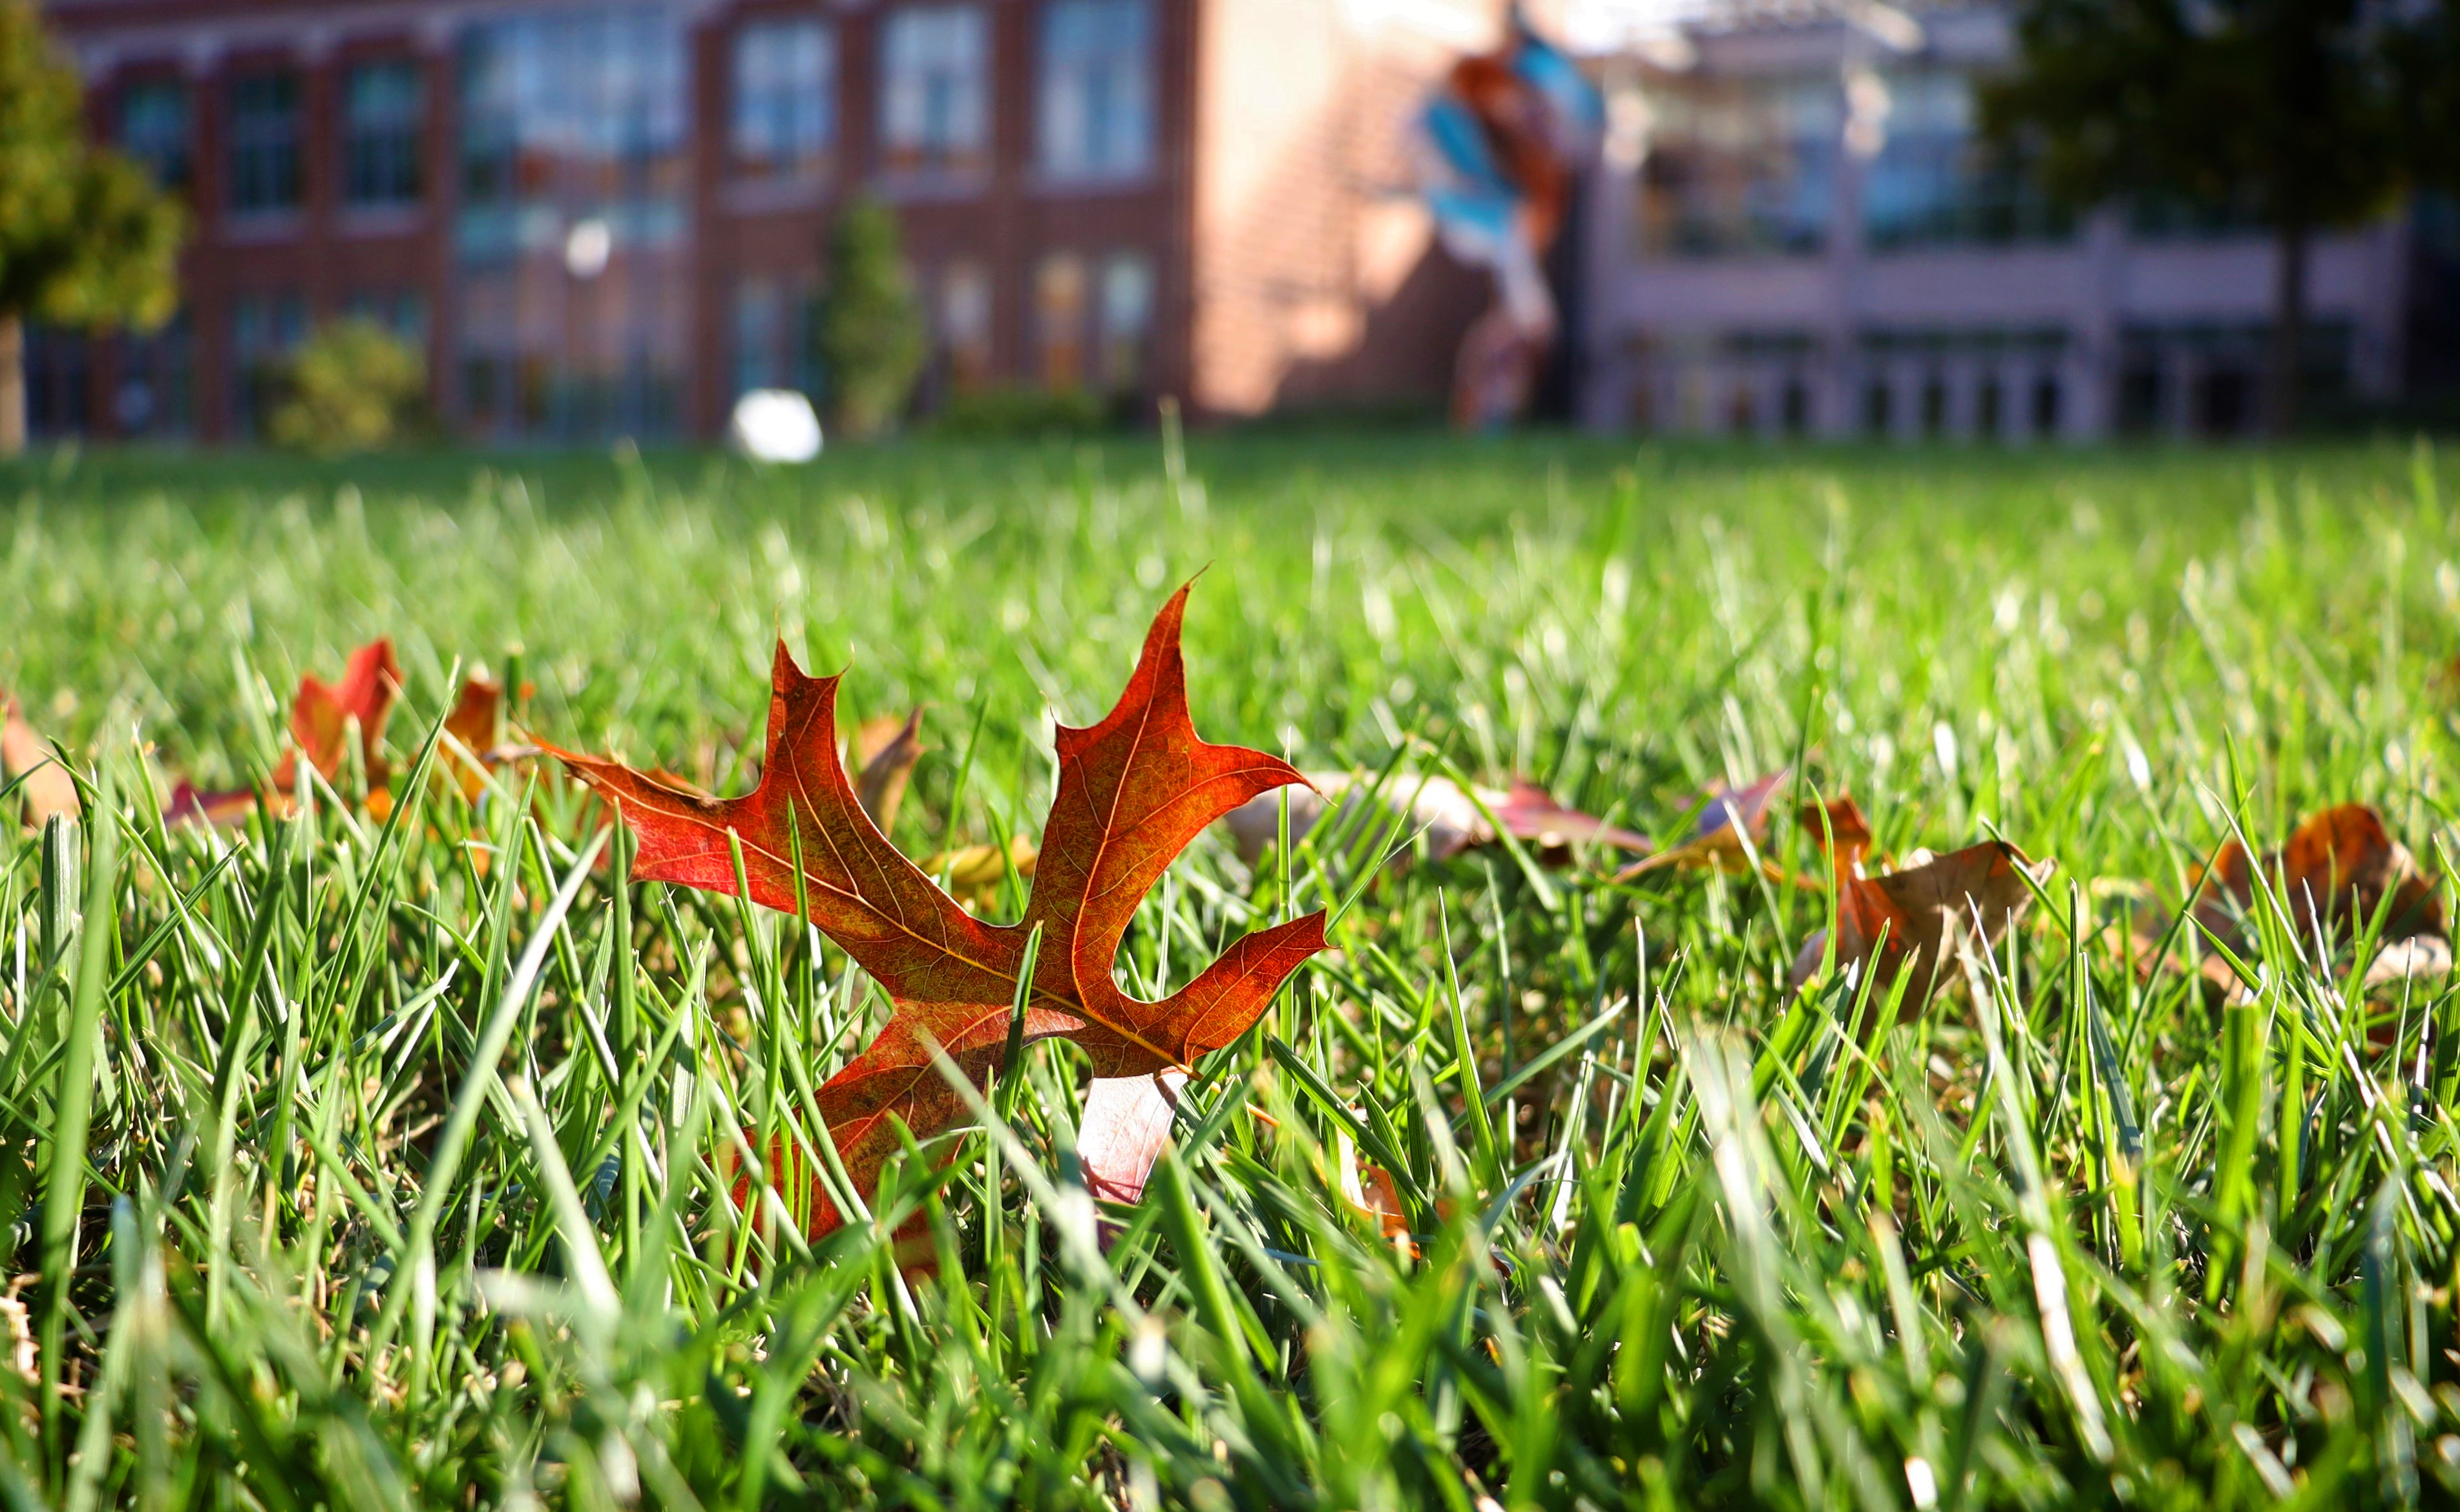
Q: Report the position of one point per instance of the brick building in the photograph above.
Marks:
(608, 219)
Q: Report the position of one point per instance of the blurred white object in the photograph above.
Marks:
(588, 247)
(774, 425)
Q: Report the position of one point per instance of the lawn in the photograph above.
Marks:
(1669, 1233)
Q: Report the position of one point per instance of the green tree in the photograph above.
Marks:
(2302, 109)
(85, 237)
(871, 335)
(354, 387)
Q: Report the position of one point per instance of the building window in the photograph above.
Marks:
(785, 97)
(2045, 405)
(264, 144)
(755, 330)
(265, 329)
(1936, 182)
(1794, 409)
(965, 326)
(59, 382)
(383, 111)
(154, 128)
(1059, 320)
(1934, 406)
(1741, 166)
(1097, 114)
(156, 393)
(935, 89)
(777, 336)
(1878, 406)
(1127, 321)
(572, 231)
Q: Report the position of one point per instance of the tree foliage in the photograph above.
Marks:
(2306, 111)
(354, 387)
(871, 333)
(85, 237)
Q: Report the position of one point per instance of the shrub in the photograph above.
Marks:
(354, 387)
(1014, 409)
(871, 335)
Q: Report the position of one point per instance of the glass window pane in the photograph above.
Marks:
(785, 97)
(1936, 180)
(384, 110)
(1127, 320)
(755, 335)
(265, 143)
(1059, 319)
(154, 128)
(1095, 113)
(965, 326)
(572, 233)
(1741, 165)
(935, 88)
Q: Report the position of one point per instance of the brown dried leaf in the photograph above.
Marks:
(2335, 872)
(1926, 915)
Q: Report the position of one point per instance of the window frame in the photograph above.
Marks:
(926, 153)
(1102, 156)
(401, 142)
(272, 141)
(795, 158)
(175, 169)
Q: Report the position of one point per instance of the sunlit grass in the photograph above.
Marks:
(361, 1165)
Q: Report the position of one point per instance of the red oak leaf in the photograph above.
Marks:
(320, 715)
(320, 718)
(1133, 790)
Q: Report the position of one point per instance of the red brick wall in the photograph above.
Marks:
(1306, 279)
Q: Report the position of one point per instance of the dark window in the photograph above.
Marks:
(265, 329)
(2139, 397)
(384, 111)
(785, 97)
(1986, 406)
(1934, 405)
(264, 144)
(154, 128)
(59, 379)
(1796, 408)
(482, 392)
(1742, 410)
(156, 391)
(1878, 407)
(2045, 405)
(2226, 402)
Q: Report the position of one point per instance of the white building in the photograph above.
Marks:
(1797, 229)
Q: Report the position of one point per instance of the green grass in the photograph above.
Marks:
(291, 1232)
